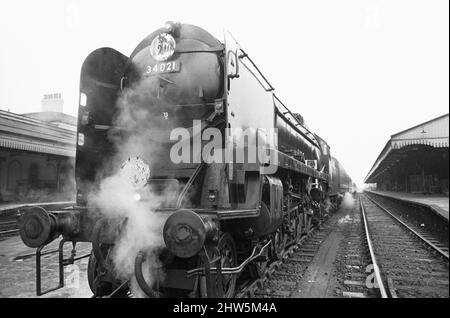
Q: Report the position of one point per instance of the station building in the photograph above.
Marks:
(37, 154)
(415, 160)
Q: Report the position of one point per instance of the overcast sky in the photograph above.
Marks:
(358, 71)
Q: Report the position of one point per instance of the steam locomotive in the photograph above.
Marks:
(226, 213)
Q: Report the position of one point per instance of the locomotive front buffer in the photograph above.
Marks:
(186, 234)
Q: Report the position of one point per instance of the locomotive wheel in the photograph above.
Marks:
(299, 226)
(227, 250)
(99, 289)
(308, 219)
(258, 269)
(279, 243)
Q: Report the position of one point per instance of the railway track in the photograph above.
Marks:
(354, 265)
(8, 223)
(8, 228)
(281, 277)
(406, 261)
(423, 220)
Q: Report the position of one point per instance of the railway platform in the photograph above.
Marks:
(438, 203)
(18, 271)
(18, 262)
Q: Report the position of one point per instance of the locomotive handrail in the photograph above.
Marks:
(188, 184)
(288, 111)
(308, 134)
(215, 49)
(245, 55)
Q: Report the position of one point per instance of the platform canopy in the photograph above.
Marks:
(433, 134)
(23, 133)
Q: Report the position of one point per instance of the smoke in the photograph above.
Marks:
(348, 201)
(146, 114)
(143, 228)
(138, 131)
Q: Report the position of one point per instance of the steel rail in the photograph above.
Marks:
(255, 284)
(8, 223)
(436, 248)
(376, 269)
(6, 232)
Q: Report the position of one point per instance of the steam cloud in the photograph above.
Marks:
(136, 133)
(348, 200)
(141, 128)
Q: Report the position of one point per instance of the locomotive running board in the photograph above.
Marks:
(287, 162)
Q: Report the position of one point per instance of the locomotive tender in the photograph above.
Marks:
(224, 218)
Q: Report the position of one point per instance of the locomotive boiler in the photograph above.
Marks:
(229, 175)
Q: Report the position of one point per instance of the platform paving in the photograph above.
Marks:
(18, 275)
(439, 203)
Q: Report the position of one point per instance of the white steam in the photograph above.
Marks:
(143, 229)
(348, 201)
(133, 135)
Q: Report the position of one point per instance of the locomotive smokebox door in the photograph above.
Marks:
(100, 85)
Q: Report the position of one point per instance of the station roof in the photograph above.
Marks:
(434, 133)
(23, 133)
(57, 118)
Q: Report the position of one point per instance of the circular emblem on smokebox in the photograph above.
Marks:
(137, 171)
(162, 47)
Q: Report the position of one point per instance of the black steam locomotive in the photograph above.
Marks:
(216, 215)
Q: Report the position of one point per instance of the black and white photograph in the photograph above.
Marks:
(188, 152)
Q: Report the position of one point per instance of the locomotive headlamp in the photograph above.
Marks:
(162, 47)
(185, 233)
(80, 139)
(172, 27)
(136, 197)
(136, 171)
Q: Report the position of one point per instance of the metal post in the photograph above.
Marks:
(61, 263)
(38, 270)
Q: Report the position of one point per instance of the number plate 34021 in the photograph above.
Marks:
(165, 67)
